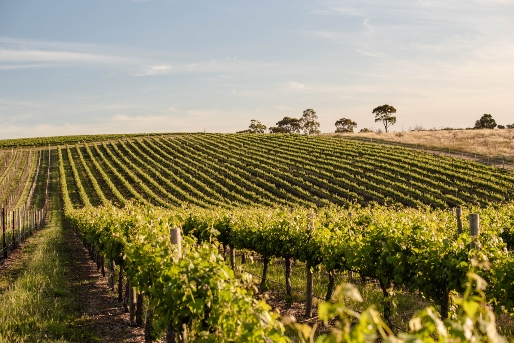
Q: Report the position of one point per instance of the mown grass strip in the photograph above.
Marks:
(37, 303)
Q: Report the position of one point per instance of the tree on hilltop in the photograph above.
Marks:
(383, 114)
(345, 125)
(309, 122)
(486, 122)
(287, 125)
(256, 127)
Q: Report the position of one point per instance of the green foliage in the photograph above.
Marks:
(63, 140)
(416, 249)
(287, 125)
(281, 170)
(383, 114)
(256, 127)
(197, 289)
(345, 125)
(474, 321)
(309, 122)
(485, 122)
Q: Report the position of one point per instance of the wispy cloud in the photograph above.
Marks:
(20, 66)
(420, 30)
(159, 69)
(213, 66)
(9, 55)
(296, 85)
(26, 53)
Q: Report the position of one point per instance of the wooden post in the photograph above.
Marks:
(445, 303)
(102, 263)
(287, 261)
(176, 239)
(310, 280)
(309, 292)
(171, 334)
(139, 310)
(148, 325)
(233, 258)
(330, 287)
(4, 224)
(120, 286)
(263, 286)
(459, 220)
(474, 229)
(126, 298)
(13, 229)
(110, 277)
(19, 227)
(132, 302)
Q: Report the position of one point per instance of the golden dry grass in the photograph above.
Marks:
(493, 143)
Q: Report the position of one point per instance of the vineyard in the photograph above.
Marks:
(337, 207)
(230, 171)
(24, 185)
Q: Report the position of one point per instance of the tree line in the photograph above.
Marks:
(308, 123)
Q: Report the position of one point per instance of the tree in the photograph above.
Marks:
(257, 127)
(383, 114)
(309, 122)
(364, 130)
(276, 129)
(345, 125)
(287, 125)
(486, 122)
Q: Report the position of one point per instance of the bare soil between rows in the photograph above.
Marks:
(97, 305)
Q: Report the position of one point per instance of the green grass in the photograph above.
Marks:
(37, 304)
(406, 303)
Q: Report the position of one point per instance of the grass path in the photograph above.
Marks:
(37, 304)
(51, 292)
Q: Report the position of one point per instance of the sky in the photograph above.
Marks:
(122, 66)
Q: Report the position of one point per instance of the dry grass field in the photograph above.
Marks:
(493, 143)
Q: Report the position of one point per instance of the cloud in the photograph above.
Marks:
(20, 66)
(9, 55)
(159, 69)
(26, 53)
(296, 85)
(213, 66)
(424, 30)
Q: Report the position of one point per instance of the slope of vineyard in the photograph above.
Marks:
(210, 170)
(19, 170)
(291, 198)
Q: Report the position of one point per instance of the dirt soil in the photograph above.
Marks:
(12, 263)
(97, 304)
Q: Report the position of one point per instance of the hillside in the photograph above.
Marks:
(255, 194)
(489, 143)
(244, 170)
